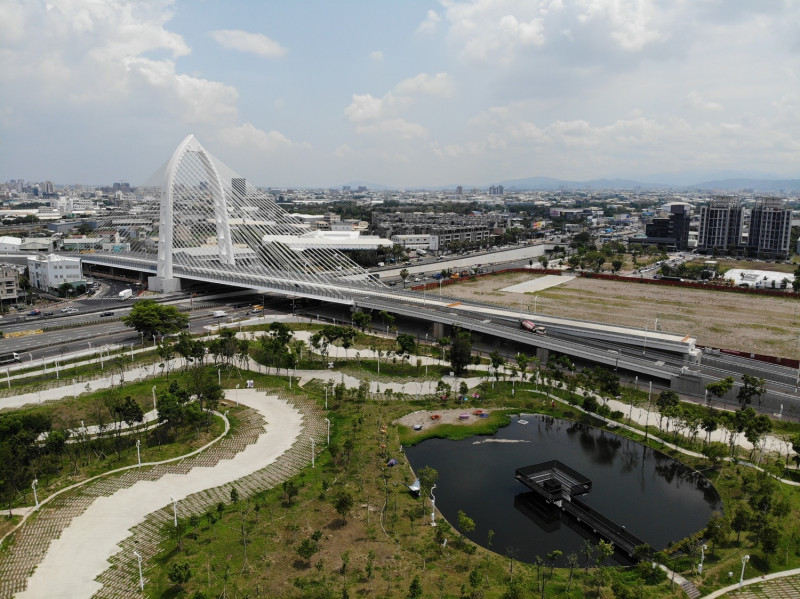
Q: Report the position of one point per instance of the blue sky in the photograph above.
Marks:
(404, 93)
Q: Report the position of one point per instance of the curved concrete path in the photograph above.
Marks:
(74, 560)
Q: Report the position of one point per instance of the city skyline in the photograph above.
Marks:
(414, 94)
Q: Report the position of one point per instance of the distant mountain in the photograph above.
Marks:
(549, 184)
(729, 185)
(765, 185)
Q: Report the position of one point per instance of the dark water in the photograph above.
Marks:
(653, 496)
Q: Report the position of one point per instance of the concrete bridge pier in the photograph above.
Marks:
(163, 285)
(542, 354)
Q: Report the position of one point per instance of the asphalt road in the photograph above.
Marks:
(96, 331)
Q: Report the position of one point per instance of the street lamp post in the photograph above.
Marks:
(329, 430)
(237, 395)
(326, 397)
(154, 397)
(74, 389)
(141, 579)
(138, 453)
(175, 511)
(35, 496)
(312, 452)
(219, 377)
(702, 557)
(745, 559)
(647, 419)
(433, 507)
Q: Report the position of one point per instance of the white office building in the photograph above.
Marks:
(48, 271)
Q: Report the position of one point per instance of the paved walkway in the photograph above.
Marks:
(74, 560)
(780, 585)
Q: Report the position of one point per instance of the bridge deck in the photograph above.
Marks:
(557, 483)
(606, 528)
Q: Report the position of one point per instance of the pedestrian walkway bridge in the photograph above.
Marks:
(557, 484)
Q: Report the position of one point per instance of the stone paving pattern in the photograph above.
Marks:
(779, 588)
(30, 543)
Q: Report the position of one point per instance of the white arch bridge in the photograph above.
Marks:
(201, 221)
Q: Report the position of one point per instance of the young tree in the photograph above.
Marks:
(666, 402)
(407, 345)
(415, 589)
(751, 387)
(307, 549)
(443, 342)
(179, 573)
(465, 524)
(153, 319)
(427, 478)
(461, 352)
(343, 503)
(497, 362)
(362, 320)
(741, 520)
(721, 387)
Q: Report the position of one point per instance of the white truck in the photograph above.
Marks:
(9, 357)
(125, 294)
(219, 314)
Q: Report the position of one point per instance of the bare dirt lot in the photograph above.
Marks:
(758, 324)
(423, 417)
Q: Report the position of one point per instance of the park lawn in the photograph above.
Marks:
(375, 549)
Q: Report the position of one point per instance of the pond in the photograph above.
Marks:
(655, 497)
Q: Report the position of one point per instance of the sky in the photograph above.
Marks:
(403, 93)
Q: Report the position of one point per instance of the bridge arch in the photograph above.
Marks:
(179, 175)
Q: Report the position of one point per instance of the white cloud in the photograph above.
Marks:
(376, 56)
(439, 85)
(429, 25)
(252, 43)
(364, 107)
(697, 101)
(487, 31)
(196, 100)
(248, 136)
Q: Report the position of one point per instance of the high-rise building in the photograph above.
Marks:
(670, 233)
(721, 226)
(770, 229)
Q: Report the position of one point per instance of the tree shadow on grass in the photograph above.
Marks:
(336, 524)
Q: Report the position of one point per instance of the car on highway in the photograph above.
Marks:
(107, 313)
(69, 310)
(34, 313)
(47, 314)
